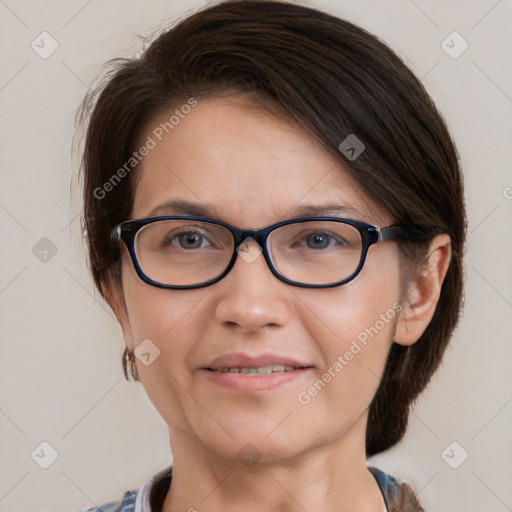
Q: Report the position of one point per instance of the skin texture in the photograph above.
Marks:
(256, 169)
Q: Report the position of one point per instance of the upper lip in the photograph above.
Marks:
(241, 360)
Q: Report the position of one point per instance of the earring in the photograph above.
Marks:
(129, 365)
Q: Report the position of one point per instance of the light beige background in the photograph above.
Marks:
(61, 377)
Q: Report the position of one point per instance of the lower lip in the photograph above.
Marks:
(248, 383)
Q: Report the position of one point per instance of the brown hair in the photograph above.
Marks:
(335, 79)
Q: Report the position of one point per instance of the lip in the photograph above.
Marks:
(253, 383)
(238, 359)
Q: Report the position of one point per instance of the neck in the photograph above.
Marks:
(332, 477)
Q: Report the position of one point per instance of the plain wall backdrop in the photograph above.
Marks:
(61, 377)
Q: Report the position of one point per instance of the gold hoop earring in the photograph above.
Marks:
(129, 365)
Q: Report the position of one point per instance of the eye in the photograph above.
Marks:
(190, 239)
(319, 240)
(323, 240)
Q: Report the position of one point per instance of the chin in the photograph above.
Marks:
(255, 445)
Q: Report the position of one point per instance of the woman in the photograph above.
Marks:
(274, 211)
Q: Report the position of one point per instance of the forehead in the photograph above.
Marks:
(241, 165)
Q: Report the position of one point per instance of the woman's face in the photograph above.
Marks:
(251, 170)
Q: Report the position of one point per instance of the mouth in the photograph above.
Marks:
(257, 370)
(252, 373)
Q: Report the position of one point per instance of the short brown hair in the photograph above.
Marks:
(335, 79)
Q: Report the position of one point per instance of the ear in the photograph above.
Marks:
(114, 296)
(423, 292)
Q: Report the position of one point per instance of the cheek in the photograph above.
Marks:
(366, 307)
(170, 319)
(353, 326)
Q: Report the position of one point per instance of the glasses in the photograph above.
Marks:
(190, 251)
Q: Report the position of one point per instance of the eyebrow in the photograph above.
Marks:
(179, 206)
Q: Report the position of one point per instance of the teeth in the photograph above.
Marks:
(260, 370)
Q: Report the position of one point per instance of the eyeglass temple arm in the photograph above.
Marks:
(410, 233)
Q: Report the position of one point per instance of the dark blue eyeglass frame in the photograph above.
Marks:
(127, 231)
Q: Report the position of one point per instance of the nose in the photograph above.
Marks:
(250, 296)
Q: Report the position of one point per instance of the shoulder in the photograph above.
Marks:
(126, 504)
(138, 500)
(399, 496)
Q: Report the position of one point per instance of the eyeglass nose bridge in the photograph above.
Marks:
(243, 236)
(259, 235)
